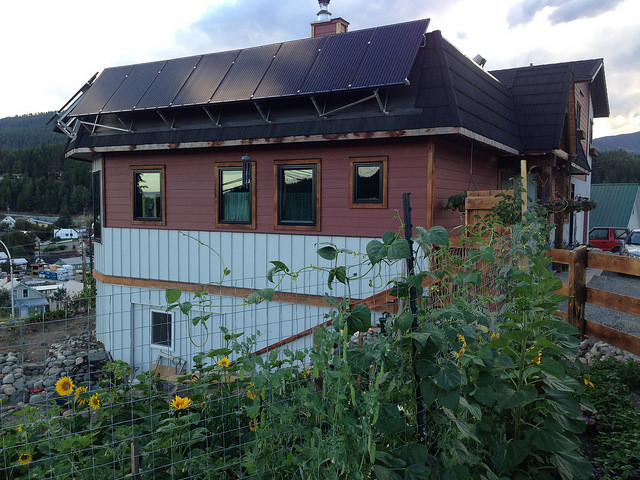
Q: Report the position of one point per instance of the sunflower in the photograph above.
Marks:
(81, 401)
(94, 401)
(587, 382)
(224, 362)
(251, 393)
(25, 458)
(64, 386)
(537, 358)
(179, 403)
(253, 425)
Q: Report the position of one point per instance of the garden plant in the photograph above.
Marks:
(460, 383)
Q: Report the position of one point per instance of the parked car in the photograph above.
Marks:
(631, 247)
(609, 239)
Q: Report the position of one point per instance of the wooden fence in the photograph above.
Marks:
(578, 261)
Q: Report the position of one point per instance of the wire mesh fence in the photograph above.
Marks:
(120, 386)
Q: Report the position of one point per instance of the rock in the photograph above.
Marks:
(38, 384)
(69, 362)
(19, 383)
(9, 391)
(37, 398)
(79, 361)
(97, 356)
(54, 372)
(20, 396)
(49, 382)
(8, 379)
(12, 359)
(7, 369)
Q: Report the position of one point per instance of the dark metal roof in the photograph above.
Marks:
(541, 96)
(380, 56)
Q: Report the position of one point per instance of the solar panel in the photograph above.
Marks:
(133, 87)
(289, 68)
(338, 62)
(168, 83)
(244, 76)
(101, 91)
(206, 78)
(390, 54)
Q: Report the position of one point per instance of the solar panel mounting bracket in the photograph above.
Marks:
(166, 121)
(215, 121)
(109, 127)
(265, 116)
(375, 95)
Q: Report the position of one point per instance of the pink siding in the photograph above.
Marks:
(190, 184)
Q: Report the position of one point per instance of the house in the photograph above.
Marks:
(264, 153)
(618, 205)
(28, 301)
(66, 233)
(42, 221)
(9, 221)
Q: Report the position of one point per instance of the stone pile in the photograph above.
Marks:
(80, 358)
(592, 350)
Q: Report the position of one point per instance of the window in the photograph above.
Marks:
(25, 293)
(235, 195)
(97, 205)
(148, 195)
(368, 182)
(297, 194)
(161, 328)
(599, 234)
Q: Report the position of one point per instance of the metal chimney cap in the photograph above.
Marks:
(324, 15)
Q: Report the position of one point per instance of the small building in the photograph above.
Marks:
(28, 301)
(66, 233)
(8, 220)
(618, 205)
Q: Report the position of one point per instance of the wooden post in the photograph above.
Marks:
(577, 287)
(523, 179)
(135, 458)
(431, 185)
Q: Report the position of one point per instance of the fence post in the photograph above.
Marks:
(135, 457)
(577, 287)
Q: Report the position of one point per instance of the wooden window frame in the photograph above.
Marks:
(163, 194)
(251, 225)
(353, 161)
(302, 163)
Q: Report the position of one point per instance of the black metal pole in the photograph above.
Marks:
(408, 228)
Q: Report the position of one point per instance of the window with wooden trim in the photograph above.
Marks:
(368, 182)
(161, 325)
(297, 194)
(235, 195)
(148, 195)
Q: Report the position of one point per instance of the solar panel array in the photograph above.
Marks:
(370, 58)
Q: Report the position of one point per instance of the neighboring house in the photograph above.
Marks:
(618, 205)
(40, 221)
(8, 220)
(19, 264)
(28, 301)
(265, 153)
(66, 233)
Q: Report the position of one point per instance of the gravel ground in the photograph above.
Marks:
(616, 283)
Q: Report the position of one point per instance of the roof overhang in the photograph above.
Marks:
(89, 153)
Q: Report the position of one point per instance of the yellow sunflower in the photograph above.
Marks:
(81, 401)
(253, 425)
(587, 382)
(251, 393)
(224, 362)
(537, 358)
(64, 386)
(179, 402)
(25, 458)
(94, 401)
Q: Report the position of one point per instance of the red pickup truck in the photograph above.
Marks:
(608, 238)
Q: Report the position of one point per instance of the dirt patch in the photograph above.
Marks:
(33, 340)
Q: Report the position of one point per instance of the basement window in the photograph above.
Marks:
(147, 185)
(161, 329)
(235, 195)
(368, 182)
(297, 186)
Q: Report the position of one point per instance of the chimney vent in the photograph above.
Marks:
(324, 15)
(480, 60)
(325, 25)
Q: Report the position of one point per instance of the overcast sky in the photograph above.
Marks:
(49, 49)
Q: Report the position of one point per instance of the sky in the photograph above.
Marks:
(48, 50)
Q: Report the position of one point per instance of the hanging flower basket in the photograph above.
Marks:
(557, 204)
(456, 202)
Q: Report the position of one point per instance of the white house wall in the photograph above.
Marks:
(124, 312)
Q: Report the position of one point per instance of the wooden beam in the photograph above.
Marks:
(431, 184)
(613, 337)
(614, 263)
(615, 301)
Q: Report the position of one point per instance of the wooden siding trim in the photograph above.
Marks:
(163, 195)
(318, 189)
(431, 184)
(221, 290)
(385, 176)
(235, 226)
